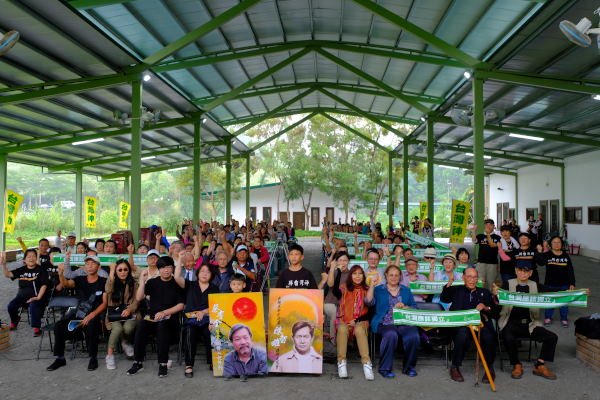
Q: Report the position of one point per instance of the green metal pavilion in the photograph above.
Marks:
(78, 74)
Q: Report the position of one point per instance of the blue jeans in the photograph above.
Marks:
(389, 342)
(564, 311)
(36, 308)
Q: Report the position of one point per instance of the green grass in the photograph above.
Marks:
(300, 233)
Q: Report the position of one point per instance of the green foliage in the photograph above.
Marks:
(301, 233)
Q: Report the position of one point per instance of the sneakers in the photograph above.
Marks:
(544, 372)
(110, 362)
(13, 326)
(37, 332)
(368, 370)
(135, 368)
(127, 348)
(410, 371)
(387, 374)
(517, 371)
(564, 323)
(162, 370)
(59, 362)
(547, 322)
(342, 370)
(93, 364)
(170, 364)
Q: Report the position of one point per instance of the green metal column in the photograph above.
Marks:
(478, 165)
(430, 188)
(517, 197)
(79, 204)
(136, 159)
(3, 177)
(390, 208)
(562, 198)
(197, 193)
(247, 185)
(126, 197)
(405, 181)
(228, 183)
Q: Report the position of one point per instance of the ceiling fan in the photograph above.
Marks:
(8, 40)
(580, 33)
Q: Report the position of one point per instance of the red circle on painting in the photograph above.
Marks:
(244, 309)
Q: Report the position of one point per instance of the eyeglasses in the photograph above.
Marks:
(429, 258)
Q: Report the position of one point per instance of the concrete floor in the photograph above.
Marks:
(21, 376)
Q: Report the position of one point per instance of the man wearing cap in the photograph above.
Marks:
(410, 274)
(165, 301)
(527, 255)
(90, 289)
(245, 359)
(487, 261)
(70, 244)
(151, 259)
(520, 322)
(241, 263)
(82, 271)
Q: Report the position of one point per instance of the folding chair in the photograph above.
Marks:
(438, 337)
(501, 351)
(58, 304)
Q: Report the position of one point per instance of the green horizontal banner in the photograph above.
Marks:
(435, 287)
(105, 259)
(424, 241)
(573, 298)
(436, 319)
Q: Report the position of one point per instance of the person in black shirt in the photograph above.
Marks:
(487, 262)
(527, 256)
(519, 322)
(165, 302)
(33, 284)
(507, 249)
(196, 311)
(560, 275)
(468, 297)
(296, 276)
(90, 290)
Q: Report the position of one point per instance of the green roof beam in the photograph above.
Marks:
(546, 82)
(265, 74)
(273, 112)
(69, 87)
(466, 166)
(189, 163)
(369, 90)
(422, 34)
(363, 114)
(199, 32)
(53, 140)
(283, 131)
(355, 132)
(380, 84)
(87, 4)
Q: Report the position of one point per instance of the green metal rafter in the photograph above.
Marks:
(87, 4)
(283, 131)
(57, 140)
(380, 84)
(355, 132)
(547, 82)
(422, 34)
(466, 166)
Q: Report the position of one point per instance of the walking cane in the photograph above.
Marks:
(483, 362)
(477, 361)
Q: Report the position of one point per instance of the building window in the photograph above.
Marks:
(329, 214)
(315, 216)
(573, 215)
(267, 214)
(594, 215)
(531, 212)
(253, 213)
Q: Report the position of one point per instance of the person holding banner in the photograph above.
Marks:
(410, 275)
(33, 284)
(90, 289)
(386, 297)
(468, 297)
(448, 274)
(487, 262)
(560, 275)
(519, 322)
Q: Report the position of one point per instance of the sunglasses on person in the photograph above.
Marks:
(122, 270)
(429, 258)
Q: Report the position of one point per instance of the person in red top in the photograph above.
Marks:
(261, 251)
(353, 319)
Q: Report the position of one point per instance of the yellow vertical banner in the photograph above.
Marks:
(12, 203)
(90, 204)
(422, 213)
(461, 211)
(123, 214)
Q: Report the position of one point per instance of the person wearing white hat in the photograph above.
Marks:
(241, 263)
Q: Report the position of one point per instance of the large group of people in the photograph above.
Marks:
(168, 297)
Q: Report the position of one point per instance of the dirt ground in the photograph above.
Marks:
(22, 376)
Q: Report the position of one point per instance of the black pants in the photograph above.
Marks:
(515, 330)
(164, 330)
(463, 338)
(191, 334)
(91, 333)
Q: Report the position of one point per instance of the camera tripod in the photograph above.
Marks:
(280, 250)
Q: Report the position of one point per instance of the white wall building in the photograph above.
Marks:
(264, 206)
(539, 190)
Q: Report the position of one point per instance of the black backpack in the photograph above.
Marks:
(588, 327)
